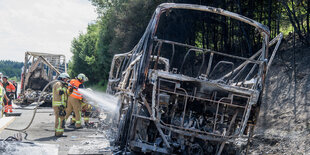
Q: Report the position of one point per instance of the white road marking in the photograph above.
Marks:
(5, 121)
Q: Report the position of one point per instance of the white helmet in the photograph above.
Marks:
(81, 77)
(64, 75)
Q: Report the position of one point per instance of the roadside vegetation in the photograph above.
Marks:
(12, 69)
(121, 23)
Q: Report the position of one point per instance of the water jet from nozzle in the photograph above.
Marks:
(102, 100)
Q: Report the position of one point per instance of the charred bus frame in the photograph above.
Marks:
(146, 91)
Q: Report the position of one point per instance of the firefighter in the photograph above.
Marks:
(10, 91)
(60, 97)
(15, 85)
(75, 99)
(86, 110)
(2, 96)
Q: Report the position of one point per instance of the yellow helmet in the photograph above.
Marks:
(64, 75)
(81, 77)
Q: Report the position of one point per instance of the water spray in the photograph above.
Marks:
(104, 101)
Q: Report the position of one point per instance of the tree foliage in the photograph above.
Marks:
(84, 56)
(11, 68)
(121, 24)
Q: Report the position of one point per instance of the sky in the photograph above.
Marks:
(46, 26)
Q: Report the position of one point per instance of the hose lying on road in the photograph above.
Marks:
(35, 109)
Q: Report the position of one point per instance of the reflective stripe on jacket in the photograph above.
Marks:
(59, 99)
(2, 92)
(76, 84)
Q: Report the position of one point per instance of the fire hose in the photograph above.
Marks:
(35, 109)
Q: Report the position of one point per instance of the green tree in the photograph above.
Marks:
(121, 24)
(11, 68)
(84, 52)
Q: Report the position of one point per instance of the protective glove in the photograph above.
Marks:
(65, 85)
(62, 111)
(61, 107)
(61, 92)
(70, 90)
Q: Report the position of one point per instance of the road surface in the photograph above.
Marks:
(39, 138)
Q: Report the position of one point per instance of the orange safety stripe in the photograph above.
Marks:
(77, 95)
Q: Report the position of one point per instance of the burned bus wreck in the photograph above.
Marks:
(180, 96)
(39, 69)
